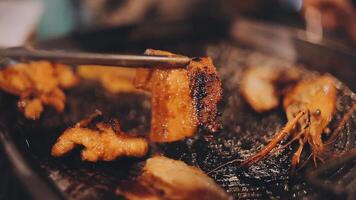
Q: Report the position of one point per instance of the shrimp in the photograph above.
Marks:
(309, 106)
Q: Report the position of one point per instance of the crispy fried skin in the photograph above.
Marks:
(102, 141)
(37, 84)
(165, 178)
(182, 99)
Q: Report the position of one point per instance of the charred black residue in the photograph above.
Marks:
(115, 125)
(205, 89)
(198, 91)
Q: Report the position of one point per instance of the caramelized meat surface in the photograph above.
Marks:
(38, 84)
(165, 178)
(182, 99)
(101, 141)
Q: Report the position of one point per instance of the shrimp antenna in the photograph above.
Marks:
(223, 165)
(289, 126)
(304, 163)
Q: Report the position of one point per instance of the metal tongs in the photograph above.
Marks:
(81, 58)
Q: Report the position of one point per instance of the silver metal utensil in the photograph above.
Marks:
(119, 60)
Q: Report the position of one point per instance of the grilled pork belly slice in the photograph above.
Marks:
(165, 178)
(181, 99)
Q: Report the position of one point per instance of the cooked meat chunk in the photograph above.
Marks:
(262, 84)
(65, 76)
(181, 99)
(165, 178)
(31, 108)
(37, 84)
(113, 79)
(101, 141)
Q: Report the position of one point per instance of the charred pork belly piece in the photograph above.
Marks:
(165, 178)
(38, 84)
(182, 99)
(101, 140)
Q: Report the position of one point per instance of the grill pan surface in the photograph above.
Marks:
(244, 132)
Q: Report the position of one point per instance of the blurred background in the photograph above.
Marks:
(325, 30)
(28, 21)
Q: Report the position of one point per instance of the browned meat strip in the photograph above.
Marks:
(182, 99)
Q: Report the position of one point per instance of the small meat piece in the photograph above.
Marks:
(181, 99)
(113, 79)
(38, 84)
(31, 108)
(101, 141)
(259, 85)
(165, 178)
(65, 76)
(56, 98)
